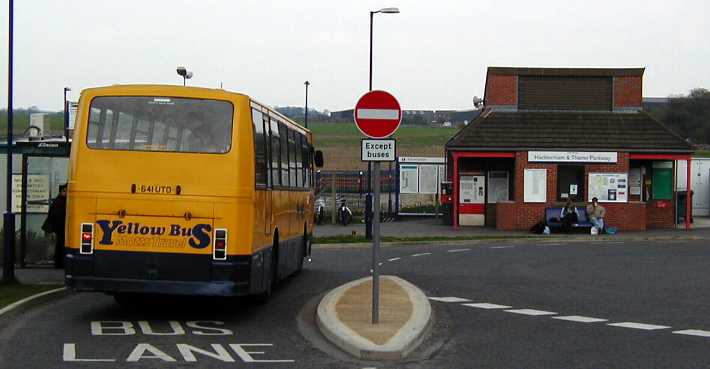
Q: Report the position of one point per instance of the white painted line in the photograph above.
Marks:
(393, 259)
(422, 254)
(459, 250)
(379, 264)
(579, 319)
(646, 327)
(449, 299)
(502, 247)
(28, 299)
(486, 305)
(531, 312)
(693, 332)
(377, 114)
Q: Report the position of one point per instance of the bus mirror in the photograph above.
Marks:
(319, 158)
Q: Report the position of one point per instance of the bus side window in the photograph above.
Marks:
(259, 148)
(267, 148)
(299, 162)
(292, 158)
(283, 133)
(305, 154)
(275, 153)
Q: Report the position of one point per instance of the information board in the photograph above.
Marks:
(408, 178)
(37, 191)
(608, 187)
(535, 184)
(428, 179)
(635, 181)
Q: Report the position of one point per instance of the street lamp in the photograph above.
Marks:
(368, 198)
(368, 227)
(184, 73)
(8, 270)
(305, 117)
(66, 114)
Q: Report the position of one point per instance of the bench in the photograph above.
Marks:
(552, 219)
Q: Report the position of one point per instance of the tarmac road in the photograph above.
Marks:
(533, 304)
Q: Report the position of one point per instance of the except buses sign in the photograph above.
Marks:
(377, 114)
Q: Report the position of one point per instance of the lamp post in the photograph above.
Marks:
(369, 226)
(8, 270)
(184, 73)
(368, 198)
(305, 116)
(66, 114)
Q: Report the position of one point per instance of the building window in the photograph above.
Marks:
(570, 182)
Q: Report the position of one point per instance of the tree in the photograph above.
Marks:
(688, 115)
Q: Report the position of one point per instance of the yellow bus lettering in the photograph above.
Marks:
(174, 229)
(201, 232)
(107, 230)
(157, 231)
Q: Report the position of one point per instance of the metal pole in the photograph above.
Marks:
(368, 197)
(305, 118)
(376, 245)
(8, 271)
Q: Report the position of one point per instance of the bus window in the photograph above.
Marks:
(299, 158)
(267, 148)
(305, 155)
(208, 124)
(259, 148)
(283, 134)
(275, 153)
(292, 158)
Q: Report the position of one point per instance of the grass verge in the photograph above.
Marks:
(362, 239)
(10, 293)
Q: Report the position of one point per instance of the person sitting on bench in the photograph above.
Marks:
(596, 214)
(568, 216)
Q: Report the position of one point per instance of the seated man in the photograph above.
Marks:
(596, 214)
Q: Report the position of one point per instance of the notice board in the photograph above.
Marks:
(608, 187)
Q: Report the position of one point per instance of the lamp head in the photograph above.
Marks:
(389, 10)
(181, 71)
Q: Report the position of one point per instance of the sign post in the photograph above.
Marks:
(377, 116)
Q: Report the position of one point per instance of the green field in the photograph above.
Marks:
(340, 143)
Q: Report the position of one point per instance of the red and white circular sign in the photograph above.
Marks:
(377, 114)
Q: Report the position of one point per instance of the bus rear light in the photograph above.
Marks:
(87, 238)
(219, 252)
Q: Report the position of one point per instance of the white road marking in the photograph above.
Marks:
(422, 254)
(531, 312)
(647, 327)
(693, 332)
(379, 264)
(579, 319)
(449, 299)
(485, 305)
(502, 247)
(377, 113)
(393, 259)
(459, 250)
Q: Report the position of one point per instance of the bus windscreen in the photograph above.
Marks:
(162, 124)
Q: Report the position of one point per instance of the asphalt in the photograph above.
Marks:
(657, 283)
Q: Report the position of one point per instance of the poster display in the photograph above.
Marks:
(408, 178)
(442, 173)
(535, 185)
(497, 186)
(428, 179)
(37, 191)
(608, 187)
(635, 181)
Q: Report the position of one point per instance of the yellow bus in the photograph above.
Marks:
(187, 191)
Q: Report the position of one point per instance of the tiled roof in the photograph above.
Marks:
(593, 131)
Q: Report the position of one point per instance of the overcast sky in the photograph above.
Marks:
(433, 55)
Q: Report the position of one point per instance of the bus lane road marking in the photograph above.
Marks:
(421, 254)
(227, 352)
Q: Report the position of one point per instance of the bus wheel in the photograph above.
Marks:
(263, 297)
(301, 253)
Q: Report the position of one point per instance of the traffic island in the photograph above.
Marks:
(344, 317)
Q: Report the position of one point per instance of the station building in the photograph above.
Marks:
(551, 134)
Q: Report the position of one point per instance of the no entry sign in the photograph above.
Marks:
(377, 114)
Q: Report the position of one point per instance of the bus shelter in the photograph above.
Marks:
(39, 168)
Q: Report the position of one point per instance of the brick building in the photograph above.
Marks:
(549, 134)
